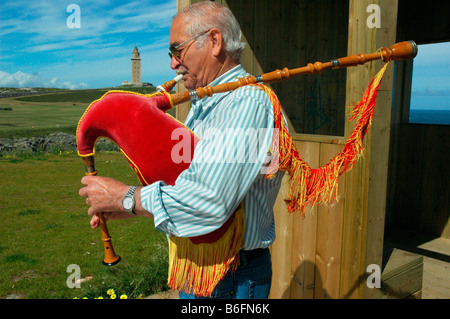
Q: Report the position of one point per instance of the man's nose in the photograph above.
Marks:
(175, 63)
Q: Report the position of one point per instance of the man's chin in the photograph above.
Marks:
(189, 84)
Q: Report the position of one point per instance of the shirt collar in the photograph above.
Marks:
(201, 108)
(231, 75)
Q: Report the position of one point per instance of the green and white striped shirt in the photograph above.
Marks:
(235, 130)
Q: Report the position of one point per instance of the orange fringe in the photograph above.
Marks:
(310, 186)
(198, 268)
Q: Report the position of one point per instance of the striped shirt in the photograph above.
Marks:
(235, 130)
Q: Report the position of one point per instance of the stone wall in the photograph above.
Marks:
(52, 143)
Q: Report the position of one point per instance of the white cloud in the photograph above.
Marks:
(34, 38)
(44, 22)
(21, 79)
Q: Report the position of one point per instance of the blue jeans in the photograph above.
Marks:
(251, 280)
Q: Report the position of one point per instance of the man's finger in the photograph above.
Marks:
(95, 221)
(83, 192)
(85, 179)
(92, 212)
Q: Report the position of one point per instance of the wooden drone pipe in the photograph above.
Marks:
(400, 51)
(110, 255)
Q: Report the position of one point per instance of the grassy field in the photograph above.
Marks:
(45, 226)
(38, 118)
(42, 114)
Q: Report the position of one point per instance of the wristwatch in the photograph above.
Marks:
(128, 201)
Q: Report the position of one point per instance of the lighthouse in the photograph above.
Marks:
(135, 67)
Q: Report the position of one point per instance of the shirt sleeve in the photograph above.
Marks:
(232, 149)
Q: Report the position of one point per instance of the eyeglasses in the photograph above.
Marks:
(174, 52)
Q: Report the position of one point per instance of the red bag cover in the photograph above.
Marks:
(146, 135)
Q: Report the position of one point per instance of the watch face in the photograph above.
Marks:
(127, 203)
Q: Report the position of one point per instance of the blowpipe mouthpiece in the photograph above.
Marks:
(166, 87)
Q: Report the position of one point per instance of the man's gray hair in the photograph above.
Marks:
(202, 16)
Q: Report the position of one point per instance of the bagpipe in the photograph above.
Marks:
(140, 126)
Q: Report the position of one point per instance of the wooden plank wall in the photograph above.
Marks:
(418, 195)
(292, 34)
(324, 255)
(306, 256)
(420, 201)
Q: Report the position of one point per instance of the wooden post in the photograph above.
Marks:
(379, 148)
(365, 185)
(182, 110)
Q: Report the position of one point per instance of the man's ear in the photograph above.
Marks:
(216, 38)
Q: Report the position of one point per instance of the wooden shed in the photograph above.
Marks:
(402, 183)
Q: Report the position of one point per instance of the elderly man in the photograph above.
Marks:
(205, 47)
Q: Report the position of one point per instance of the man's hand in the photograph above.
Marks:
(104, 194)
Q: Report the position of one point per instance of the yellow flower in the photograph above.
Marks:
(113, 296)
(110, 292)
(100, 298)
(123, 297)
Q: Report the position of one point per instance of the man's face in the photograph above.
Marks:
(193, 62)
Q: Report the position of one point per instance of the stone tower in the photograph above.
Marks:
(135, 67)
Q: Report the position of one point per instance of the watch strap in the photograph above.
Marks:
(130, 193)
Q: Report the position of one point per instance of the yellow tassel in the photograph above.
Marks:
(198, 268)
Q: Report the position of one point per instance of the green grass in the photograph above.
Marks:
(33, 119)
(45, 228)
(40, 115)
(80, 96)
(85, 96)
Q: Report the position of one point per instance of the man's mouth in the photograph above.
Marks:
(182, 72)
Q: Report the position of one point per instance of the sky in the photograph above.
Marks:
(39, 47)
(48, 43)
(431, 77)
